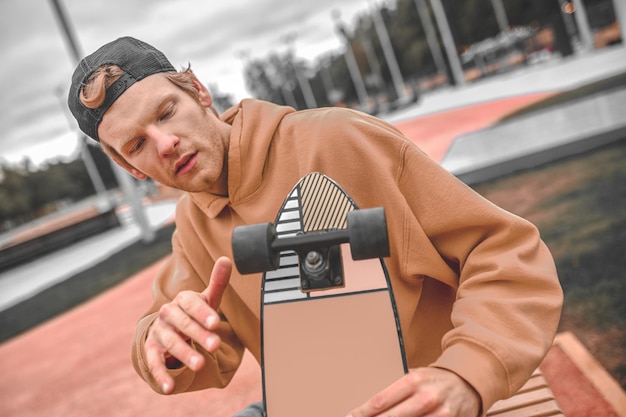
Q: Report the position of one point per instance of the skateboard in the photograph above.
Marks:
(330, 335)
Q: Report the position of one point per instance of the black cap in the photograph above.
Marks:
(136, 58)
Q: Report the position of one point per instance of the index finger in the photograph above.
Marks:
(220, 277)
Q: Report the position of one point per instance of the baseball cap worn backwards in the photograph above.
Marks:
(136, 58)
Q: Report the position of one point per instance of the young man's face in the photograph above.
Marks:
(165, 134)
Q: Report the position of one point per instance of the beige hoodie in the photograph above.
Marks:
(476, 289)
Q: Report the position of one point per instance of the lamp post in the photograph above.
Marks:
(582, 22)
(332, 94)
(303, 80)
(503, 21)
(353, 67)
(124, 179)
(92, 170)
(448, 42)
(90, 165)
(431, 36)
(390, 56)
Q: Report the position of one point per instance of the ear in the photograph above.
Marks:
(205, 97)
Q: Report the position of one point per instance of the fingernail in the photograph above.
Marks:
(165, 387)
(193, 362)
(211, 342)
(212, 321)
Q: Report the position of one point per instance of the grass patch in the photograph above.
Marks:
(85, 285)
(578, 205)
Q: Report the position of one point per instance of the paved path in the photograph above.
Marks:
(434, 133)
(23, 281)
(78, 365)
(547, 77)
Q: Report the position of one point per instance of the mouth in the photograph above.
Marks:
(185, 163)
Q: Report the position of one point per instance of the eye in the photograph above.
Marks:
(138, 145)
(169, 112)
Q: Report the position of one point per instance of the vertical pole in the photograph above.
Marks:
(305, 86)
(288, 96)
(584, 30)
(92, 171)
(302, 79)
(619, 6)
(353, 66)
(327, 80)
(448, 42)
(371, 57)
(503, 21)
(431, 36)
(390, 56)
(134, 199)
(124, 179)
(90, 165)
(375, 73)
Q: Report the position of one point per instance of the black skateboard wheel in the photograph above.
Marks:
(252, 248)
(368, 233)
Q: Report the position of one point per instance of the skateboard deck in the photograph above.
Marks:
(330, 336)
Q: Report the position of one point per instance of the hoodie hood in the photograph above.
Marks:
(254, 124)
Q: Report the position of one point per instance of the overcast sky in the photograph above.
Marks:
(37, 64)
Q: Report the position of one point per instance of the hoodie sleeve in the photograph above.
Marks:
(497, 294)
(508, 298)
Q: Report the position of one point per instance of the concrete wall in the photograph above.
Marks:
(539, 137)
(25, 251)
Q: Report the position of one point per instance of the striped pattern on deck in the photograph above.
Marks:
(316, 203)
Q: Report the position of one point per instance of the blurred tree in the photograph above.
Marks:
(263, 78)
(466, 15)
(407, 34)
(27, 192)
(77, 173)
(274, 79)
(14, 198)
(340, 74)
(47, 186)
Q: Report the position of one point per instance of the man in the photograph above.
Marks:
(476, 289)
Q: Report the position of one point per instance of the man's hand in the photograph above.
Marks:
(190, 316)
(423, 392)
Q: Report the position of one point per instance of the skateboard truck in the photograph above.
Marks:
(256, 248)
(321, 268)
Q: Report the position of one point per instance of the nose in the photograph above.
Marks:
(165, 142)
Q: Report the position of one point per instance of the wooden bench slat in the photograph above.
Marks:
(543, 409)
(523, 399)
(536, 382)
(534, 399)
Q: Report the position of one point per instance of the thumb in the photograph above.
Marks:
(220, 277)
